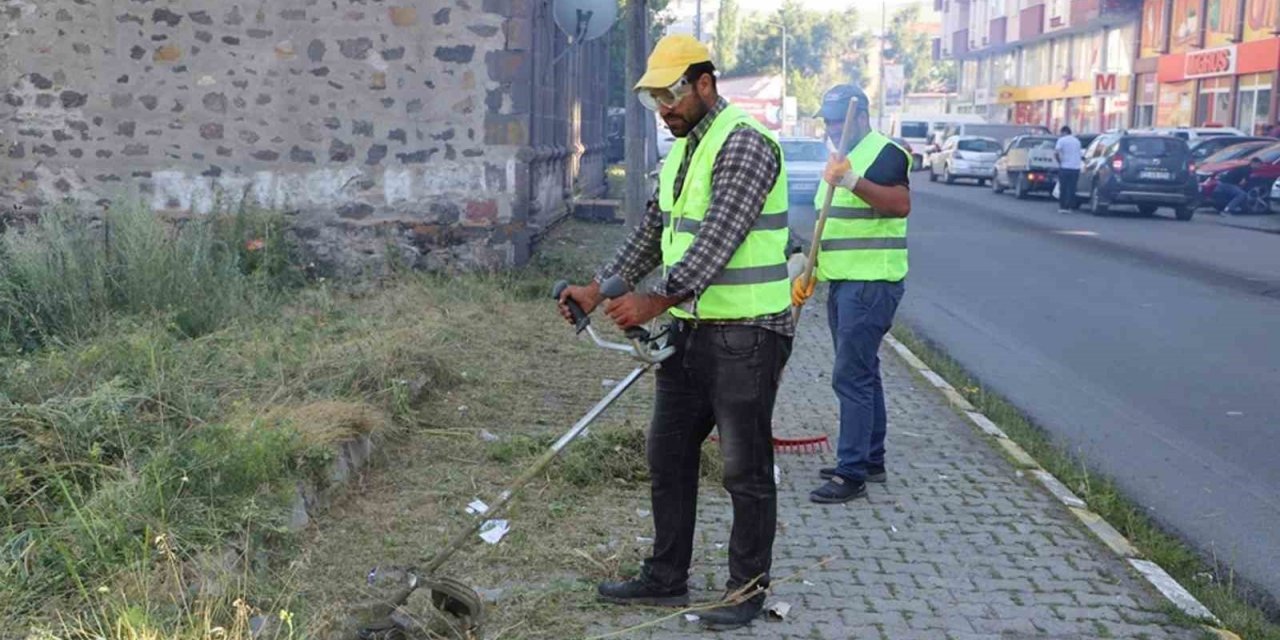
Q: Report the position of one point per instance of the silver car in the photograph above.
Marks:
(806, 158)
(964, 157)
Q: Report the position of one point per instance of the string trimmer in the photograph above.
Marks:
(455, 597)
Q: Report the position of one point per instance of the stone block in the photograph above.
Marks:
(167, 53)
(404, 16)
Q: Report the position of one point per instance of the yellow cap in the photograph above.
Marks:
(671, 57)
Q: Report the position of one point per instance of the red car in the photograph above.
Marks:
(1266, 174)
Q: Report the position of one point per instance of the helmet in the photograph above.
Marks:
(835, 102)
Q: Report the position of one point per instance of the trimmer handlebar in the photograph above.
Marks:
(642, 347)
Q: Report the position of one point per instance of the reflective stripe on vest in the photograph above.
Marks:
(755, 282)
(858, 242)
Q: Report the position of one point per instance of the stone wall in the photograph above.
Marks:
(438, 129)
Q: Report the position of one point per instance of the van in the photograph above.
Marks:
(919, 129)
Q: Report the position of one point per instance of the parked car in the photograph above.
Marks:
(919, 130)
(1207, 171)
(1146, 170)
(1001, 132)
(1204, 147)
(1235, 151)
(1191, 133)
(1259, 185)
(1027, 165)
(967, 157)
(805, 158)
(1086, 139)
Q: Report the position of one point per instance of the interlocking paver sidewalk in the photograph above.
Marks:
(958, 544)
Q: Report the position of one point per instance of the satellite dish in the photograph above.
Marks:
(584, 20)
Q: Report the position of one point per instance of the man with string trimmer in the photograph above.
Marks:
(718, 229)
(861, 249)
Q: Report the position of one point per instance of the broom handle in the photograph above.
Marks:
(821, 224)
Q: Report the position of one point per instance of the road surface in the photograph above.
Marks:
(1150, 347)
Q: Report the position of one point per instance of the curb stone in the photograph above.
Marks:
(1174, 592)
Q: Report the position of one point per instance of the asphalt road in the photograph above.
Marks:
(1149, 346)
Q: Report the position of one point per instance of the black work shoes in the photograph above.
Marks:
(875, 473)
(838, 490)
(639, 590)
(732, 616)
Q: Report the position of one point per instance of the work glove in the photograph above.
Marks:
(801, 290)
(839, 173)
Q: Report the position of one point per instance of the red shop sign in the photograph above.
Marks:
(1211, 62)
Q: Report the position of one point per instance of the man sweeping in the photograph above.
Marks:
(718, 229)
(863, 255)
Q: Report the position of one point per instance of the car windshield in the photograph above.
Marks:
(804, 151)
(1154, 147)
(1036, 143)
(1268, 154)
(915, 129)
(980, 145)
(1234, 152)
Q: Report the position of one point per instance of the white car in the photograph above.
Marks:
(964, 157)
(1192, 133)
(806, 158)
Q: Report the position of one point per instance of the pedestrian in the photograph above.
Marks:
(1275, 130)
(1067, 151)
(718, 228)
(863, 255)
(1233, 186)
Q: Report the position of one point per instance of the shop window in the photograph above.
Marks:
(1214, 103)
(1221, 19)
(1253, 103)
(1175, 104)
(1145, 113)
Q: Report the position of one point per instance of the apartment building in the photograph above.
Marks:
(1208, 62)
(1049, 62)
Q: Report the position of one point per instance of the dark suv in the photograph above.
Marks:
(1146, 170)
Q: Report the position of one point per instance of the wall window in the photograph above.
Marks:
(1154, 32)
(1214, 103)
(1221, 19)
(1144, 115)
(1253, 103)
(1175, 102)
(1260, 19)
(1185, 27)
(1120, 50)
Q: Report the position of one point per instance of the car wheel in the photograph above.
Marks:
(946, 175)
(933, 177)
(995, 183)
(1185, 212)
(982, 182)
(1096, 205)
(1147, 209)
(1020, 186)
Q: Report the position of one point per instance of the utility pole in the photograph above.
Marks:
(634, 196)
(784, 77)
(697, 20)
(884, 38)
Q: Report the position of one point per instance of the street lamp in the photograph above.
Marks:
(783, 113)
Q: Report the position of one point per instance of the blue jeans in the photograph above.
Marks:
(860, 313)
(1237, 196)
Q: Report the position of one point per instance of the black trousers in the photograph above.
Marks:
(722, 376)
(1068, 179)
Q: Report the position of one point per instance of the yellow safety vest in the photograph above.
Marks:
(858, 244)
(755, 281)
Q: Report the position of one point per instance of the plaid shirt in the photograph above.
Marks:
(741, 178)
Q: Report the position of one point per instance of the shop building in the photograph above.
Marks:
(1048, 62)
(1207, 63)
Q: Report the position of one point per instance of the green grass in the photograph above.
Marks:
(1214, 584)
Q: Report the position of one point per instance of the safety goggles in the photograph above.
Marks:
(652, 99)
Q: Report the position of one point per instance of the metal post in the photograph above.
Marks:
(697, 20)
(884, 37)
(634, 195)
(784, 77)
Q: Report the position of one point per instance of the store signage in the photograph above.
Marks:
(1211, 62)
(1106, 85)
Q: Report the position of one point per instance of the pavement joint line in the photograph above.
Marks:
(1176, 593)
(1170, 588)
(988, 427)
(1059, 490)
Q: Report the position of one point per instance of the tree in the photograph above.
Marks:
(910, 47)
(727, 35)
(823, 49)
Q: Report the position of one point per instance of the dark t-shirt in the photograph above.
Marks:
(1236, 176)
(890, 168)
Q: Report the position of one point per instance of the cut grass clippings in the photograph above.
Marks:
(1215, 586)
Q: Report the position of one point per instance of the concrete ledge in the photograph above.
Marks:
(1175, 592)
(1106, 533)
